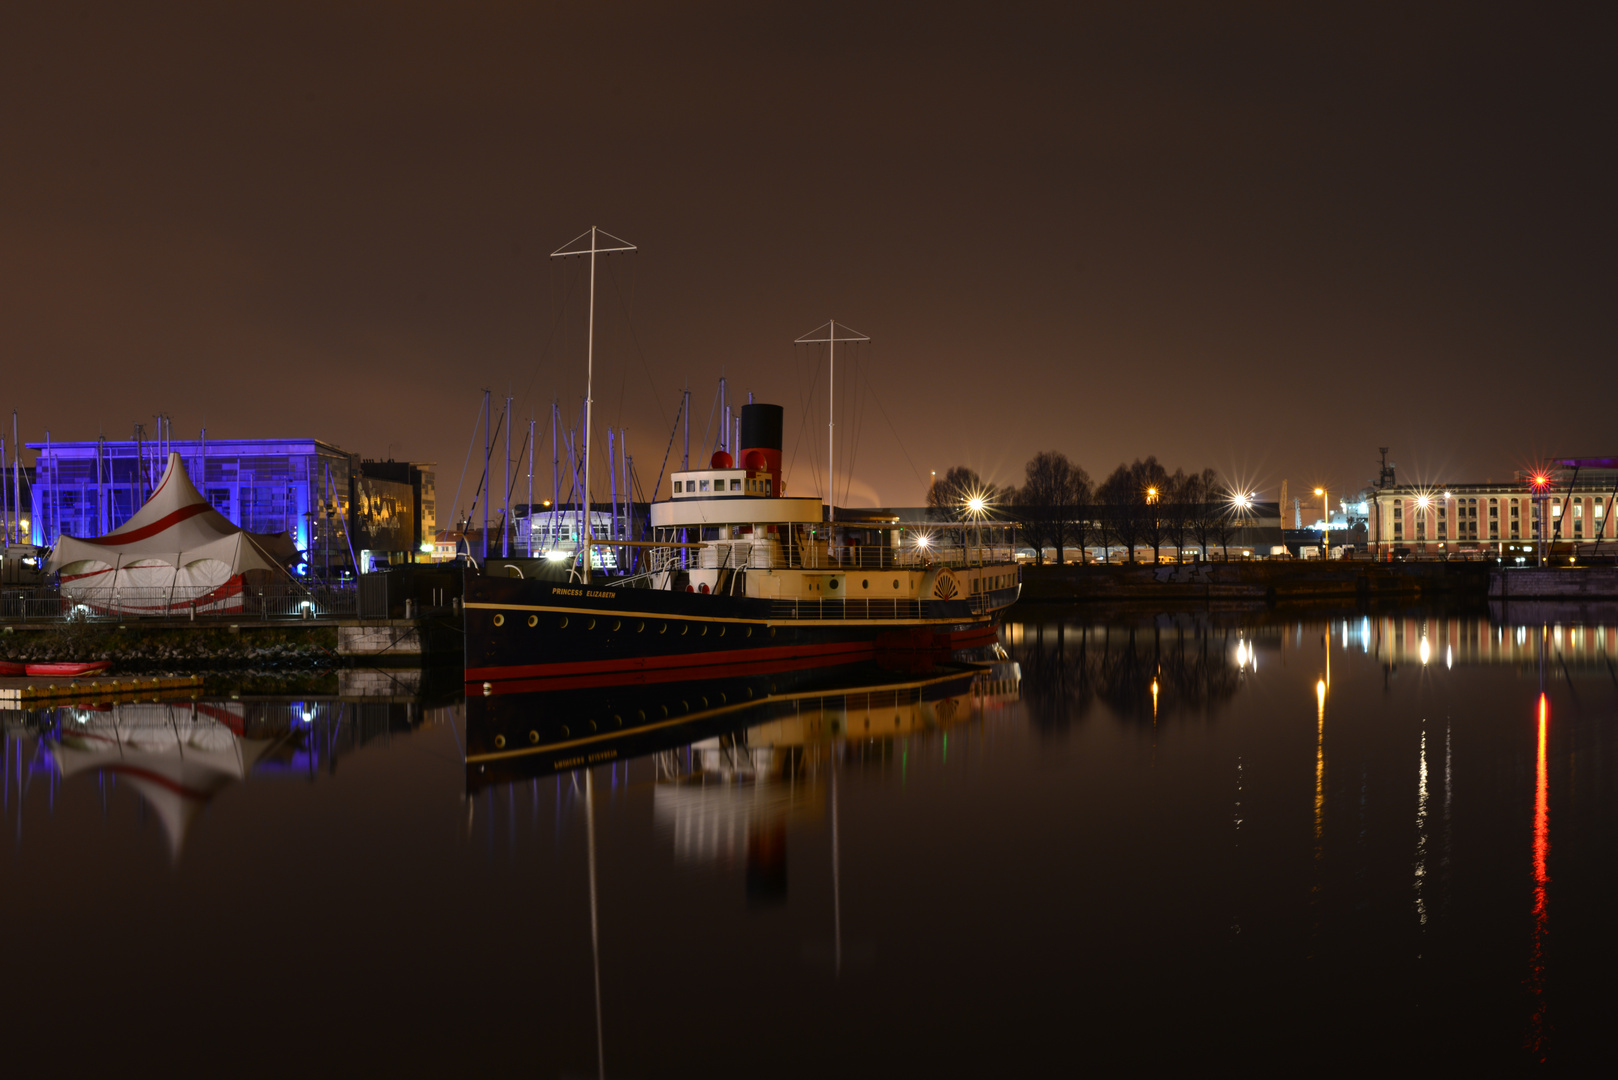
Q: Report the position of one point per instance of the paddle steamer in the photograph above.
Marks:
(739, 577)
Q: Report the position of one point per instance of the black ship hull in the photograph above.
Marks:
(524, 736)
(524, 635)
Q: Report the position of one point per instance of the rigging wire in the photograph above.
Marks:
(476, 420)
(657, 395)
(709, 426)
(895, 431)
(804, 408)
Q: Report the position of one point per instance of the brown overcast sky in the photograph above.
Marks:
(1266, 238)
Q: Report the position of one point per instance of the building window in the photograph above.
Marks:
(1494, 530)
(1578, 509)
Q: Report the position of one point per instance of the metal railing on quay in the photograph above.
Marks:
(319, 602)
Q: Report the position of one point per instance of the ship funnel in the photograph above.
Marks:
(761, 435)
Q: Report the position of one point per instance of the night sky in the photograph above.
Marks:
(1263, 238)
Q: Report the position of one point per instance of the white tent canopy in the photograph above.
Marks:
(175, 553)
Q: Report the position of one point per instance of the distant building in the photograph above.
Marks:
(1500, 518)
(340, 512)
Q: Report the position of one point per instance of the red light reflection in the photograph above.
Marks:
(1537, 1027)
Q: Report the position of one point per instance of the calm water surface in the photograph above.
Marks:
(1326, 844)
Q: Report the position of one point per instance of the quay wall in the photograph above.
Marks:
(163, 645)
(1554, 583)
(1265, 582)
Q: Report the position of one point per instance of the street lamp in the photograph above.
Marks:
(1540, 497)
(976, 506)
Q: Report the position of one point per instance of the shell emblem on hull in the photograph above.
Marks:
(944, 587)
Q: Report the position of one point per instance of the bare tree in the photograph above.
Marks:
(1047, 502)
(1209, 510)
(1180, 497)
(1121, 503)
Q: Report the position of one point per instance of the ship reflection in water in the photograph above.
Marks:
(734, 761)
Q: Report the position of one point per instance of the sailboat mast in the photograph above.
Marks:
(589, 383)
(505, 520)
(589, 374)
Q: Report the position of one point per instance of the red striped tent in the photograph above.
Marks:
(176, 553)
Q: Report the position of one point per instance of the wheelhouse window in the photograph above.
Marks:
(677, 487)
(735, 485)
(702, 485)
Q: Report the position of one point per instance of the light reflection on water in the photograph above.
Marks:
(1282, 834)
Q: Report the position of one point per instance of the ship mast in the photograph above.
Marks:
(593, 250)
(830, 340)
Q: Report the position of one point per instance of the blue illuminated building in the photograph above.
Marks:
(303, 487)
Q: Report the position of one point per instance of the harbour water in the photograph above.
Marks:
(1146, 842)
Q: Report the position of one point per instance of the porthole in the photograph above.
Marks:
(664, 709)
(772, 631)
(662, 628)
(684, 629)
(616, 624)
(563, 622)
(749, 693)
(685, 706)
(895, 583)
(565, 731)
(721, 631)
(533, 620)
(499, 741)
(834, 583)
(723, 700)
(499, 620)
(704, 700)
(617, 720)
(592, 725)
(640, 714)
(639, 627)
(866, 583)
(591, 625)
(533, 736)
(704, 631)
(749, 631)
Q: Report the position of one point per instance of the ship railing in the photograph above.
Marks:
(873, 609)
(771, 555)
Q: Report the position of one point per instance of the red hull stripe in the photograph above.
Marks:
(146, 531)
(720, 658)
(691, 674)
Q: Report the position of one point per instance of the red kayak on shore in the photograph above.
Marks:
(69, 670)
